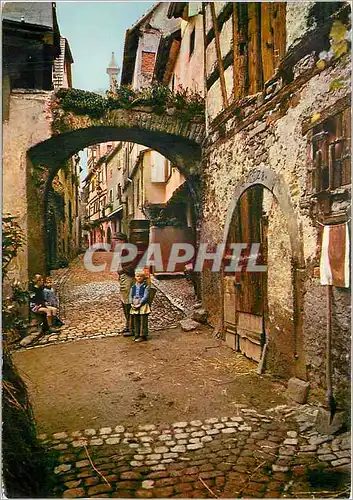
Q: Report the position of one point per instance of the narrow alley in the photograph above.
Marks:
(176, 249)
(177, 416)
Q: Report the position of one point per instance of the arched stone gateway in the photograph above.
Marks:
(174, 137)
(292, 342)
(178, 140)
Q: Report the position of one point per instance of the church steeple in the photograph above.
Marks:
(113, 72)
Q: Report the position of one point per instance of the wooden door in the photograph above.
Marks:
(245, 296)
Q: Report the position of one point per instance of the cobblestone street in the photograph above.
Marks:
(246, 455)
(180, 416)
(90, 303)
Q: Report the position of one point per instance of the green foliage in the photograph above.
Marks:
(39, 176)
(12, 318)
(56, 204)
(186, 103)
(12, 302)
(189, 100)
(82, 102)
(12, 240)
(159, 218)
(122, 97)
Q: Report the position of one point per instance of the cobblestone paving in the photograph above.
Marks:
(179, 291)
(273, 454)
(90, 304)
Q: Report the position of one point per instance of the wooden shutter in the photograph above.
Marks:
(254, 36)
(273, 36)
(346, 158)
(240, 49)
(267, 42)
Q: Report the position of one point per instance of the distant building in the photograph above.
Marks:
(62, 76)
(155, 190)
(113, 72)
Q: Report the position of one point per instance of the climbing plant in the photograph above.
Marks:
(184, 103)
(14, 295)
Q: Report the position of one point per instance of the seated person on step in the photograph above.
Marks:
(51, 298)
(38, 303)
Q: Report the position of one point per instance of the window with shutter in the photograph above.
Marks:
(331, 153)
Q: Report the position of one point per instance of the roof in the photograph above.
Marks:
(176, 9)
(68, 53)
(34, 17)
(113, 64)
(34, 13)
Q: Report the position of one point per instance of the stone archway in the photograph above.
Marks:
(275, 183)
(177, 139)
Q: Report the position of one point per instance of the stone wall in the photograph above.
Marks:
(28, 123)
(269, 135)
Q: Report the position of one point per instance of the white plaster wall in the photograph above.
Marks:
(28, 124)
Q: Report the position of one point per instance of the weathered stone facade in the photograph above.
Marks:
(26, 109)
(266, 132)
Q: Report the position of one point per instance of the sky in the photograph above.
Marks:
(95, 30)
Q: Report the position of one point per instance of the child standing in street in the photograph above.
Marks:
(140, 308)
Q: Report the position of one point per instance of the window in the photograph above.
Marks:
(111, 173)
(158, 167)
(192, 42)
(331, 158)
(111, 196)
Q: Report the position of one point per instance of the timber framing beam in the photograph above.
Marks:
(219, 56)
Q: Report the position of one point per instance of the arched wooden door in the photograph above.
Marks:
(245, 297)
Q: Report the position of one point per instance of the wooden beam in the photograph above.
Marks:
(261, 110)
(219, 56)
(267, 40)
(240, 54)
(237, 80)
(279, 31)
(255, 63)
